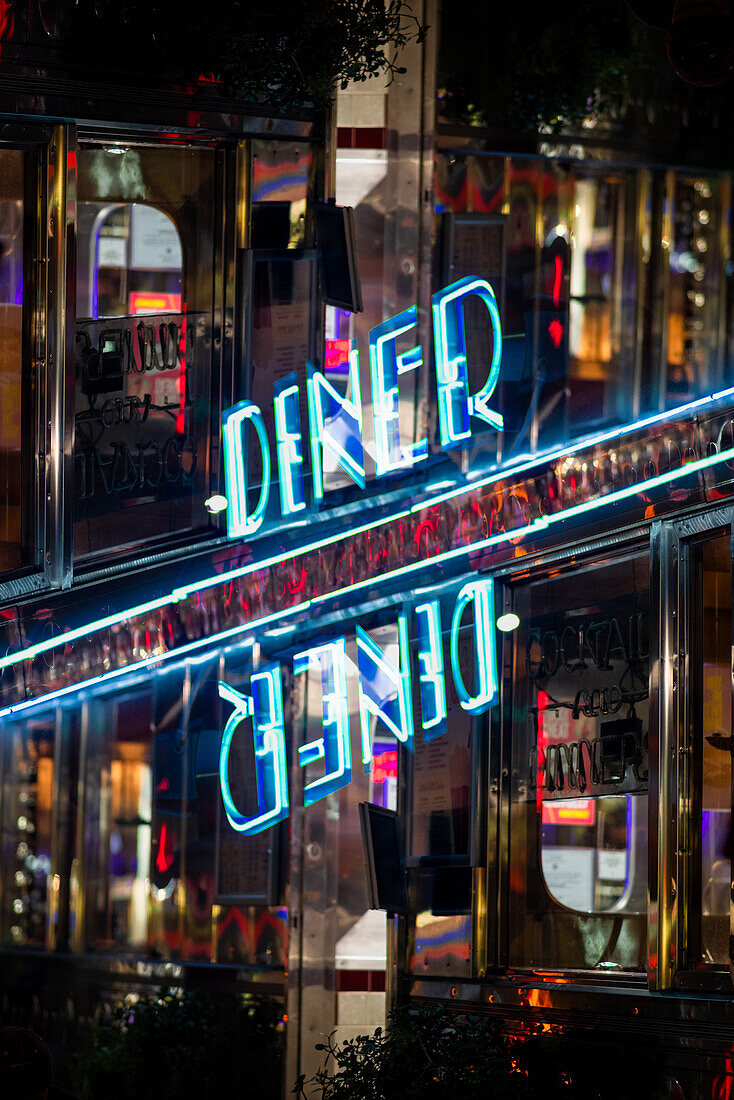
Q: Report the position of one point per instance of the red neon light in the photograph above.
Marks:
(162, 861)
(142, 301)
(555, 331)
(336, 353)
(385, 766)
(582, 811)
(557, 281)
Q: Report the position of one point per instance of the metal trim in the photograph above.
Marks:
(58, 425)
(662, 881)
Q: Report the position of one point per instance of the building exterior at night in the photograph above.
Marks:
(472, 562)
(567, 851)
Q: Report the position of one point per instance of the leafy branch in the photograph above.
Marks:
(282, 53)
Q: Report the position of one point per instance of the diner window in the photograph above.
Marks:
(162, 873)
(117, 834)
(27, 754)
(580, 726)
(148, 337)
(695, 348)
(15, 380)
(282, 184)
(710, 723)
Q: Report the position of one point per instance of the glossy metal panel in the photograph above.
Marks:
(662, 882)
(685, 829)
(58, 414)
(296, 704)
(226, 242)
(408, 206)
(498, 827)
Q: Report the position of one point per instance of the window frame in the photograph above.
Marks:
(49, 231)
(494, 908)
(673, 825)
(231, 168)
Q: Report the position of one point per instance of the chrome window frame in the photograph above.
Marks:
(50, 295)
(48, 306)
(672, 835)
(492, 916)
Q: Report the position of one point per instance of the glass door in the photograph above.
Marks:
(691, 816)
(711, 763)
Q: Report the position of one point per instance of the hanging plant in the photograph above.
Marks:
(282, 53)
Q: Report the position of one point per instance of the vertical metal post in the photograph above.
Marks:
(407, 268)
(664, 886)
(57, 425)
(425, 411)
(243, 187)
(294, 892)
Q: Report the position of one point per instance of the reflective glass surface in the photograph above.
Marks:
(14, 514)
(580, 725)
(712, 769)
(146, 350)
(114, 840)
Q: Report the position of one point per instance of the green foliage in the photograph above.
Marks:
(186, 1044)
(580, 68)
(282, 52)
(426, 1054)
(432, 1054)
(304, 50)
(535, 65)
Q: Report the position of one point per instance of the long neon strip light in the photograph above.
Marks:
(146, 662)
(520, 467)
(457, 491)
(389, 575)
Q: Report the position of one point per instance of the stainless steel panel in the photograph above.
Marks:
(58, 413)
(662, 908)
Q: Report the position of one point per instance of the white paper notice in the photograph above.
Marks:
(156, 245)
(569, 876)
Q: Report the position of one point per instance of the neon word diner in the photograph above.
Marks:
(384, 693)
(335, 420)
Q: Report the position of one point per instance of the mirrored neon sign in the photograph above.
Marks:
(385, 696)
(335, 419)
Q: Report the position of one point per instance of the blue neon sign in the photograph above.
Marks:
(265, 707)
(335, 419)
(385, 695)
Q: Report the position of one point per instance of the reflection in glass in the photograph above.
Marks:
(27, 801)
(13, 516)
(580, 721)
(594, 850)
(712, 725)
(694, 346)
(144, 344)
(113, 839)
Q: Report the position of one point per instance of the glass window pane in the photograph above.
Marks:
(578, 862)
(694, 255)
(28, 770)
(281, 186)
(117, 843)
(144, 344)
(281, 339)
(14, 517)
(712, 760)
